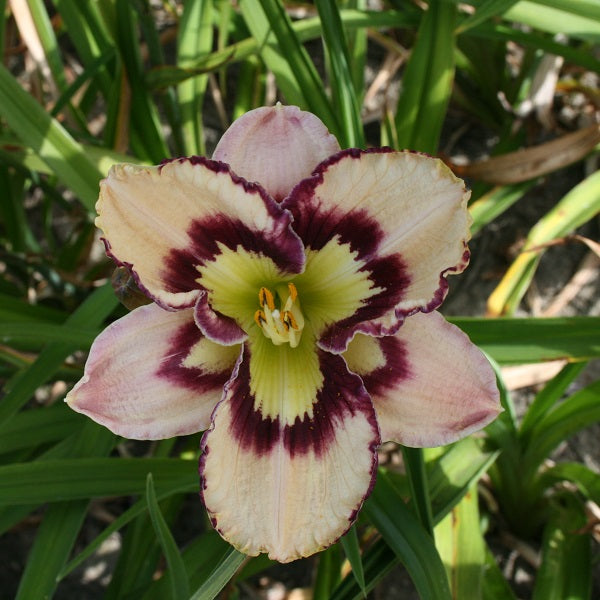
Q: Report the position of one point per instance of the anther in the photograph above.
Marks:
(293, 291)
(265, 296)
(289, 319)
(259, 317)
(285, 323)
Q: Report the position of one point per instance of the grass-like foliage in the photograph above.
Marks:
(84, 85)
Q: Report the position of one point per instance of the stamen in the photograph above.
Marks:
(259, 317)
(265, 296)
(293, 291)
(283, 321)
(284, 324)
(289, 319)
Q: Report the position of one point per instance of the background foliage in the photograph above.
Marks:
(84, 84)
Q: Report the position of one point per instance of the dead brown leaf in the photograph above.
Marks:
(522, 165)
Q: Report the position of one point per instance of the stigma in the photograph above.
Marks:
(282, 322)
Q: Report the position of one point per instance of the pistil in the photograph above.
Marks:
(281, 325)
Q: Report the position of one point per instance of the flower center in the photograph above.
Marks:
(282, 324)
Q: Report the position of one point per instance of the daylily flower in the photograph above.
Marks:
(292, 319)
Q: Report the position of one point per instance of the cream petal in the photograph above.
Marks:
(430, 385)
(277, 146)
(153, 375)
(403, 214)
(232, 280)
(165, 222)
(342, 291)
(289, 483)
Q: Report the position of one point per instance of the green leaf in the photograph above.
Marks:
(201, 556)
(179, 580)
(255, 565)
(264, 42)
(351, 547)
(3, 19)
(293, 68)
(485, 10)
(61, 524)
(427, 81)
(140, 554)
(550, 395)
(453, 473)
(580, 410)
(378, 561)
(357, 47)
(165, 76)
(509, 416)
(58, 531)
(219, 578)
(495, 202)
(449, 476)
(87, 30)
(460, 542)
(251, 89)
(45, 32)
(535, 41)
(169, 105)
(15, 309)
(516, 341)
(143, 113)
(328, 573)
(194, 40)
(36, 129)
(558, 17)
(494, 585)
(344, 93)
(33, 428)
(47, 332)
(91, 313)
(78, 478)
(102, 158)
(87, 76)
(419, 488)
(123, 519)
(589, 9)
(565, 567)
(585, 479)
(19, 235)
(407, 538)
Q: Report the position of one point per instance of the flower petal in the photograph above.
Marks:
(152, 375)
(277, 146)
(163, 222)
(430, 385)
(343, 292)
(403, 215)
(232, 281)
(215, 325)
(289, 483)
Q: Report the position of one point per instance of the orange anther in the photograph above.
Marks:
(259, 317)
(293, 291)
(266, 297)
(283, 321)
(289, 320)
